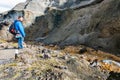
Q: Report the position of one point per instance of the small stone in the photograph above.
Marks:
(83, 50)
(19, 64)
(46, 56)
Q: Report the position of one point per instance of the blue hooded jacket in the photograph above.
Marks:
(19, 27)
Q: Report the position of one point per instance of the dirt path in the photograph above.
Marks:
(7, 53)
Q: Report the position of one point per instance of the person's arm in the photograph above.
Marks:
(20, 28)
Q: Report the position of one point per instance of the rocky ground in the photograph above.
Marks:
(40, 62)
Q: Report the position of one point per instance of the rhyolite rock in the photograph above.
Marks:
(94, 23)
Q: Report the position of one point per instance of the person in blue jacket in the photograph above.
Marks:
(20, 31)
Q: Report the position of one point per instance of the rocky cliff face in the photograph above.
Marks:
(36, 8)
(91, 25)
(106, 23)
(94, 23)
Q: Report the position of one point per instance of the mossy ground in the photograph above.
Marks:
(31, 65)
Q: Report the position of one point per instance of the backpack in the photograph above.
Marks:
(12, 29)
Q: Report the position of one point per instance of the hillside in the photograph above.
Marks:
(81, 38)
(94, 23)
